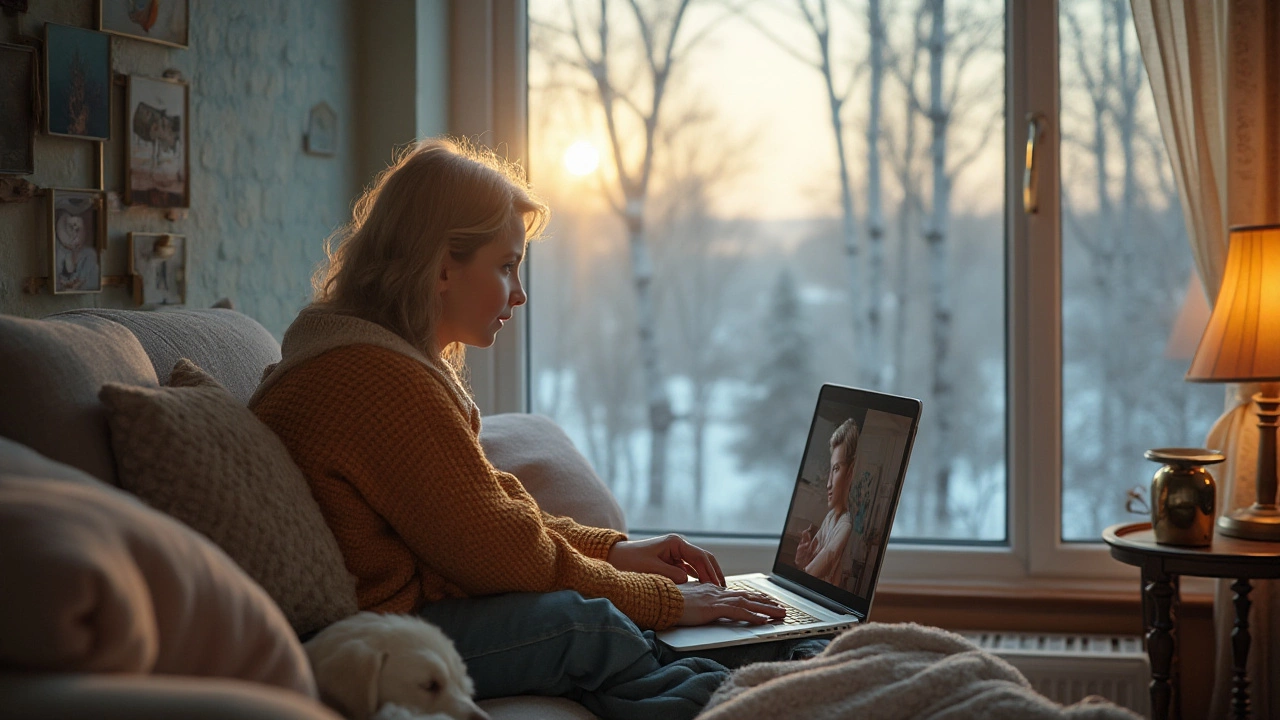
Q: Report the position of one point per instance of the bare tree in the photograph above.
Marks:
(957, 47)
(1108, 73)
(629, 97)
(698, 274)
(876, 62)
(817, 18)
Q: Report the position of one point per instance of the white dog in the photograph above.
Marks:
(391, 667)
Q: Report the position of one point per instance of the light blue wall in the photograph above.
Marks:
(260, 206)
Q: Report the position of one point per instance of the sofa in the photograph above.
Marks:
(125, 599)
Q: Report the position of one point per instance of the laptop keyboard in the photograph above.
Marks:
(795, 616)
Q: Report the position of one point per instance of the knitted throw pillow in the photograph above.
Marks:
(191, 450)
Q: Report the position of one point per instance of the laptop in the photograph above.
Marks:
(837, 525)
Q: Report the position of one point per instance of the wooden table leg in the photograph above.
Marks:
(1240, 642)
(1159, 588)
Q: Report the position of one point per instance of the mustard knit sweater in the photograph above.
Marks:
(418, 511)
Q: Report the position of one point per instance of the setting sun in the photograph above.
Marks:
(581, 158)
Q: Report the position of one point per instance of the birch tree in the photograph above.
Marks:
(631, 98)
(1107, 71)
(698, 264)
(839, 78)
(954, 49)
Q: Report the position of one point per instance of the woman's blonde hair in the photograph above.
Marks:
(846, 434)
(440, 196)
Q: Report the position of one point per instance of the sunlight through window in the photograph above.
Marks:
(581, 158)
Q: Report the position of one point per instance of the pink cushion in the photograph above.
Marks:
(95, 581)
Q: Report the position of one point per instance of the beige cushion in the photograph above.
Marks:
(193, 451)
(541, 455)
(95, 581)
(50, 372)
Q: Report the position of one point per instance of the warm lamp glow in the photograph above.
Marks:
(581, 158)
(1242, 340)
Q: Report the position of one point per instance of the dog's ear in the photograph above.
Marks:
(348, 678)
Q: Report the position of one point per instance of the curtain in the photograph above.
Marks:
(1214, 67)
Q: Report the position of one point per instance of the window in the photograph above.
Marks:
(722, 246)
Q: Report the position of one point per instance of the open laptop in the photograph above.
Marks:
(837, 526)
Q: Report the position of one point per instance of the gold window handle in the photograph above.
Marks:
(1031, 167)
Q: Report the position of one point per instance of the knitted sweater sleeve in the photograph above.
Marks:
(590, 541)
(421, 467)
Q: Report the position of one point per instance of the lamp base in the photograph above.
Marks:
(1256, 522)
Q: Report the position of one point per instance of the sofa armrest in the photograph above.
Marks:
(150, 697)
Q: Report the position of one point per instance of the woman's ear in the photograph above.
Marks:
(448, 269)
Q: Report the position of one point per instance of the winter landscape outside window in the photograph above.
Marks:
(751, 199)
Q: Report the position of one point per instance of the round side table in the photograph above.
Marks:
(1161, 565)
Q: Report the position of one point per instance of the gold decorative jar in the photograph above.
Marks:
(1183, 495)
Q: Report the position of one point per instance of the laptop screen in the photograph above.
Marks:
(846, 493)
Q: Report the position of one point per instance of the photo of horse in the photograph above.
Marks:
(157, 151)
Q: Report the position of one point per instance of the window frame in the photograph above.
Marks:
(488, 100)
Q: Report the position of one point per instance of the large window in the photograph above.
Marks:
(752, 199)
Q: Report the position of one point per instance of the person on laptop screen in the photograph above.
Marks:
(822, 550)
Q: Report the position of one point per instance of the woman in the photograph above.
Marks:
(367, 398)
(820, 553)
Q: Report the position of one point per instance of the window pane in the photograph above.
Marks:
(1132, 311)
(722, 247)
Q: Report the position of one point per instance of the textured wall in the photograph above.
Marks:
(260, 207)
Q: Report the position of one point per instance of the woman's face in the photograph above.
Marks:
(478, 296)
(839, 478)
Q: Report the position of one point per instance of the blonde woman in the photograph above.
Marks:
(822, 549)
(367, 398)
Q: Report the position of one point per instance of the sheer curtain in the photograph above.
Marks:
(1214, 67)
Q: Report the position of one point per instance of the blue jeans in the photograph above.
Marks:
(565, 645)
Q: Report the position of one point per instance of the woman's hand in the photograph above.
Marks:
(805, 551)
(671, 556)
(705, 603)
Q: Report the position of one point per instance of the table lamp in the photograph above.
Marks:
(1242, 344)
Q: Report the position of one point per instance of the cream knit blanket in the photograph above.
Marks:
(884, 671)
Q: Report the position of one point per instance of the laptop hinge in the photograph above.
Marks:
(812, 596)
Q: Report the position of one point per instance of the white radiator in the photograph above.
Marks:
(1067, 668)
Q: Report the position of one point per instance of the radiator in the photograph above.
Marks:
(1067, 668)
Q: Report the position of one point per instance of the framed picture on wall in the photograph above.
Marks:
(77, 233)
(158, 21)
(156, 153)
(158, 264)
(322, 130)
(77, 69)
(17, 93)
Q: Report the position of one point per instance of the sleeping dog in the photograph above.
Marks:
(391, 667)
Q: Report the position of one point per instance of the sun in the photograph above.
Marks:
(581, 158)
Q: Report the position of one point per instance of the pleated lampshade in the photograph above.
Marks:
(1242, 340)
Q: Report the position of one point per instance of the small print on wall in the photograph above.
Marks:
(77, 229)
(156, 155)
(158, 21)
(322, 130)
(77, 82)
(158, 263)
(17, 88)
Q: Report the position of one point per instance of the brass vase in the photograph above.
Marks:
(1183, 495)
